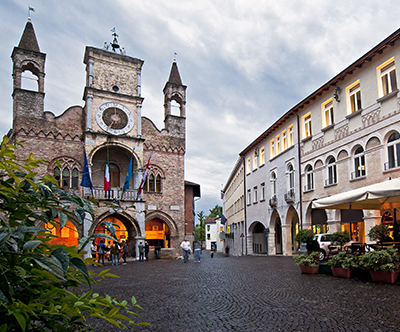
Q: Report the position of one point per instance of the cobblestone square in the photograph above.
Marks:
(251, 293)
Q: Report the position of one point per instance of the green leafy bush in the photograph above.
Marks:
(304, 236)
(380, 233)
(385, 260)
(343, 260)
(309, 259)
(341, 237)
(45, 287)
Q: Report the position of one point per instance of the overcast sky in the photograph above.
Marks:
(244, 62)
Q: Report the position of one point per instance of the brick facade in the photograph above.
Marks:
(113, 83)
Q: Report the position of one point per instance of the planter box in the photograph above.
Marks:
(388, 277)
(325, 269)
(309, 269)
(342, 273)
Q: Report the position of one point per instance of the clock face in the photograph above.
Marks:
(114, 118)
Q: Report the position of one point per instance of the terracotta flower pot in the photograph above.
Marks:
(388, 277)
(342, 273)
(309, 269)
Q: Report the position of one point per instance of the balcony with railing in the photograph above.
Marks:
(289, 196)
(114, 193)
(273, 201)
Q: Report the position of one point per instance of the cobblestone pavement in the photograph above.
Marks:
(250, 294)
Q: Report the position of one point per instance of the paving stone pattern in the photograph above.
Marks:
(251, 294)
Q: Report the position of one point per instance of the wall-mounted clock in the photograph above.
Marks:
(114, 118)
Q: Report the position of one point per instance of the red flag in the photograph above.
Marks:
(144, 177)
(107, 177)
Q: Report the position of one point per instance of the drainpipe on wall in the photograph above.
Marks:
(245, 205)
(299, 164)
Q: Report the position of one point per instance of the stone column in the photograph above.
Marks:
(139, 120)
(89, 103)
(87, 223)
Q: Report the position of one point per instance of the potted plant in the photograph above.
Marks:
(308, 262)
(341, 238)
(383, 264)
(306, 236)
(380, 233)
(342, 264)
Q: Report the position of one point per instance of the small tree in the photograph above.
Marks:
(307, 236)
(42, 286)
(341, 237)
(200, 229)
(216, 211)
(380, 233)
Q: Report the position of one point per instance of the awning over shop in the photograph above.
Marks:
(384, 195)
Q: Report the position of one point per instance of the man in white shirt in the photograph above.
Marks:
(185, 245)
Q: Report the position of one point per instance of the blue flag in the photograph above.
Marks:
(128, 176)
(223, 219)
(86, 182)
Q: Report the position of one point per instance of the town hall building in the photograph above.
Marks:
(117, 140)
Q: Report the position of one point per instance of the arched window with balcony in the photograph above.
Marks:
(273, 184)
(309, 177)
(393, 151)
(331, 172)
(290, 176)
(359, 163)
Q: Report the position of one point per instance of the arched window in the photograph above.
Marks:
(66, 177)
(151, 182)
(158, 183)
(393, 146)
(290, 175)
(309, 178)
(75, 176)
(359, 163)
(57, 175)
(331, 174)
(273, 184)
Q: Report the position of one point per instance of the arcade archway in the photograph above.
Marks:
(157, 232)
(68, 235)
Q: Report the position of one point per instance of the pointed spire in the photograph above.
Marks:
(28, 40)
(174, 76)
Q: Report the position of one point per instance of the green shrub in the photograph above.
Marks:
(304, 236)
(45, 287)
(385, 260)
(310, 259)
(343, 260)
(380, 233)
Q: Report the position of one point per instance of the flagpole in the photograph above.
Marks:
(128, 175)
(86, 181)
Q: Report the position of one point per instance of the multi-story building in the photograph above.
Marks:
(272, 188)
(233, 206)
(350, 138)
(117, 140)
(345, 135)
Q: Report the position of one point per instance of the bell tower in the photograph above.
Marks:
(174, 90)
(28, 105)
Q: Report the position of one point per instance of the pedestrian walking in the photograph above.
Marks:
(197, 251)
(185, 245)
(115, 253)
(93, 250)
(101, 251)
(146, 251)
(108, 254)
(212, 250)
(124, 251)
(157, 250)
(141, 251)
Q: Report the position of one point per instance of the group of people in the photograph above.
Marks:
(111, 252)
(185, 245)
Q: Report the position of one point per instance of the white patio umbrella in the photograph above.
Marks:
(378, 196)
